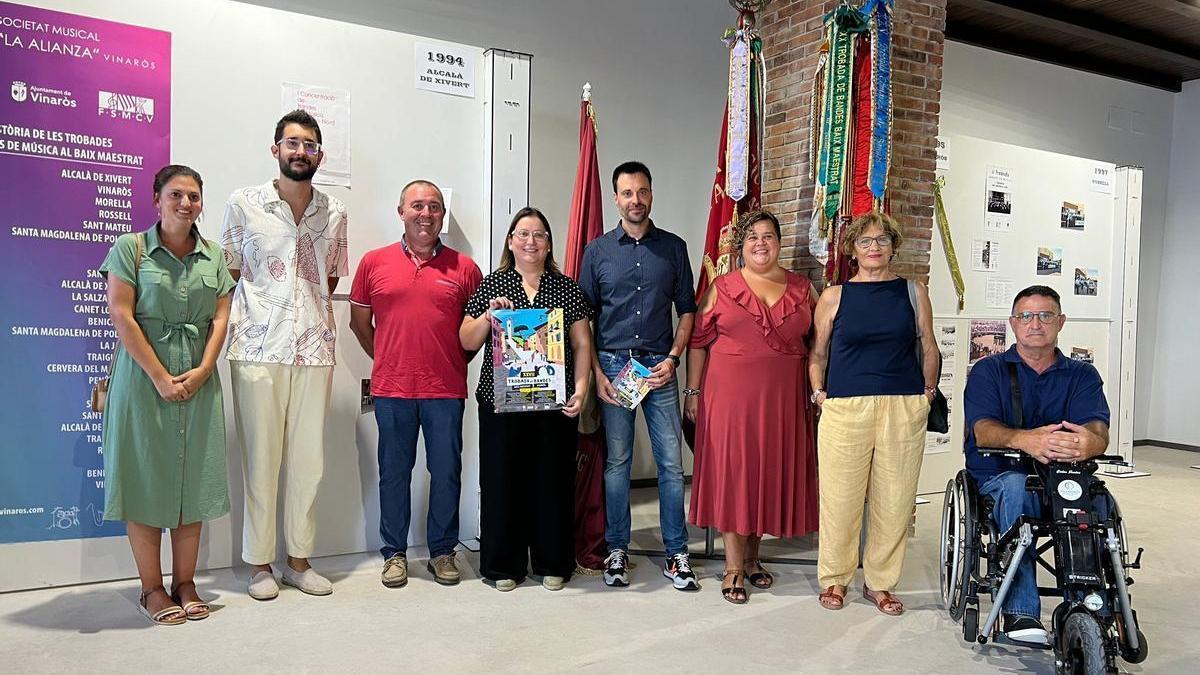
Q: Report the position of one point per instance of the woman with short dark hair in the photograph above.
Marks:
(755, 471)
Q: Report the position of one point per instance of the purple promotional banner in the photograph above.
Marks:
(84, 124)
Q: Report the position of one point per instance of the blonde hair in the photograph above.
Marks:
(864, 222)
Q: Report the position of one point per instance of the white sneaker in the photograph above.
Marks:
(552, 583)
(263, 587)
(308, 581)
(505, 585)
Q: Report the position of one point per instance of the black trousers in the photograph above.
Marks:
(527, 484)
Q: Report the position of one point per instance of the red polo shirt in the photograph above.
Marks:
(418, 309)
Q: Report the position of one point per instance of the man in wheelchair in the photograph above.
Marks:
(1065, 419)
(1036, 422)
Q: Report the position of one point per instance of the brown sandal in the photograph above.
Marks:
(735, 592)
(831, 599)
(759, 576)
(884, 599)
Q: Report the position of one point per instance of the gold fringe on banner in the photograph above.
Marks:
(948, 243)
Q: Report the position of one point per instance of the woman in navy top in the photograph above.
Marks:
(866, 374)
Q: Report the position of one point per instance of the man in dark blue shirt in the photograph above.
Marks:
(1064, 418)
(633, 275)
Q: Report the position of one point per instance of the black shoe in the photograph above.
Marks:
(616, 572)
(678, 569)
(1024, 629)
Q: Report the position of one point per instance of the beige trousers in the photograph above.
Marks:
(280, 411)
(868, 447)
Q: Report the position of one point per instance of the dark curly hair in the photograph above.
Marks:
(746, 223)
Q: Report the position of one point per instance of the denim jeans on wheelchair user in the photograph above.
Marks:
(1011, 499)
(661, 408)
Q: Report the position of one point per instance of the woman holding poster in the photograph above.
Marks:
(164, 421)
(527, 459)
(755, 471)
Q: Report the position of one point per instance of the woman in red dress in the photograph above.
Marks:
(755, 471)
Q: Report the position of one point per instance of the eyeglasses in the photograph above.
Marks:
(524, 235)
(294, 144)
(884, 241)
(1044, 316)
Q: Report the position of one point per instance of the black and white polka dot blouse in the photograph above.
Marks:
(555, 290)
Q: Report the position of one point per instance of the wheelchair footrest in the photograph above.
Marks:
(1002, 639)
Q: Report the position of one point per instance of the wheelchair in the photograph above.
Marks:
(1095, 622)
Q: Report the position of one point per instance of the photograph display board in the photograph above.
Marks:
(1019, 217)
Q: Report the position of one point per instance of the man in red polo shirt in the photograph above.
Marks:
(407, 304)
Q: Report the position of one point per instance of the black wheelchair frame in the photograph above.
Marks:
(1095, 622)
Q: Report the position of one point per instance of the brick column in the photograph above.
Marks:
(792, 35)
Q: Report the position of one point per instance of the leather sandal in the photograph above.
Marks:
(759, 576)
(884, 599)
(167, 616)
(194, 610)
(735, 592)
(831, 599)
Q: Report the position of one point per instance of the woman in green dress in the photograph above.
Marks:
(164, 422)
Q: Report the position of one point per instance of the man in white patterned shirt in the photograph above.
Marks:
(285, 243)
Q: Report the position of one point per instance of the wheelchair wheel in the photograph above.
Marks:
(1082, 646)
(959, 553)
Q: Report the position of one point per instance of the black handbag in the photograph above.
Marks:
(939, 407)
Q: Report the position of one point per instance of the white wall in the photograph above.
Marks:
(1023, 102)
(1175, 388)
(659, 74)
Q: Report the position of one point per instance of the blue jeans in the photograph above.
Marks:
(661, 407)
(1012, 500)
(399, 422)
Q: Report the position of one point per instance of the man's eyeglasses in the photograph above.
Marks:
(524, 235)
(1044, 317)
(294, 144)
(884, 241)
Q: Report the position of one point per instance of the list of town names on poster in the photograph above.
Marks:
(84, 125)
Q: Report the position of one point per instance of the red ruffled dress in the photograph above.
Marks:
(755, 470)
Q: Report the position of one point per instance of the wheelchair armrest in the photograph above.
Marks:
(1007, 452)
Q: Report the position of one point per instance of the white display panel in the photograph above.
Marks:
(1038, 188)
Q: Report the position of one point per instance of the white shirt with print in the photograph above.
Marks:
(282, 311)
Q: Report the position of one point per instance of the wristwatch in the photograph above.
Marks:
(691, 392)
(674, 358)
(813, 398)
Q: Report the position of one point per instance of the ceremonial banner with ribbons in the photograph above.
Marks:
(587, 223)
(737, 187)
(850, 127)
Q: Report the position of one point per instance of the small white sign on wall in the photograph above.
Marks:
(1102, 179)
(942, 148)
(444, 68)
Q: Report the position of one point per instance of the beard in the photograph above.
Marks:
(285, 168)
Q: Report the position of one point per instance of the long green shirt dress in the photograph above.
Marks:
(164, 463)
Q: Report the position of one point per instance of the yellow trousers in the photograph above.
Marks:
(869, 448)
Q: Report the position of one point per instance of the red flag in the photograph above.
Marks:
(587, 209)
(587, 223)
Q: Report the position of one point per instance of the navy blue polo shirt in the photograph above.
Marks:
(632, 284)
(1068, 390)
